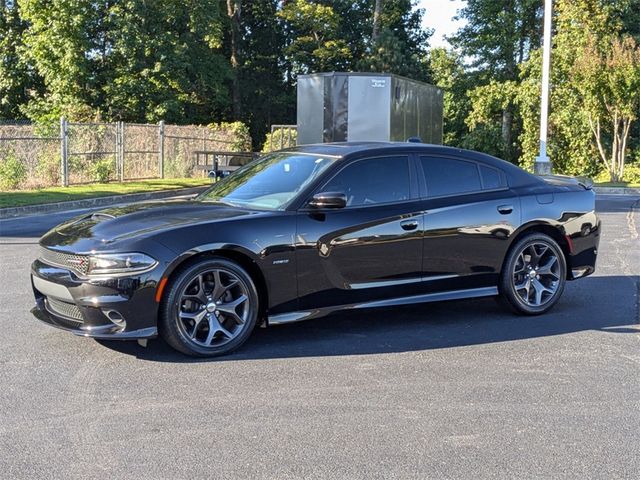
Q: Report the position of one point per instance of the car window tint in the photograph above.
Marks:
(490, 178)
(372, 181)
(448, 176)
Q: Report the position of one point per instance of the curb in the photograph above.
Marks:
(10, 212)
(616, 190)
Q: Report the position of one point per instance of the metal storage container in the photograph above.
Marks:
(338, 107)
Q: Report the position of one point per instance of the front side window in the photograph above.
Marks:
(270, 182)
(373, 181)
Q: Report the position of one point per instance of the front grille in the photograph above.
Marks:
(67, 310)
(77, 263)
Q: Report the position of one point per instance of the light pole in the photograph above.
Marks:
(543, 163)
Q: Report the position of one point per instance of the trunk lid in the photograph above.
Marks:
(567, 182)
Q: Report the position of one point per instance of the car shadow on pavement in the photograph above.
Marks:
(607, 304)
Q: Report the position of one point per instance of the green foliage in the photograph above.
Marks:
(571, 142)
(12, 172)
(401, 47)
(499, 34)
(177, 167)
(448, 73)
(103, 170)
(267, 92)
(315, 43)
(48, 169)
(128, 60)
(607, 77)
(631, 175)
(499, 96)
(280, 138)
(192, 62)
(236, 132)
(16, 78)
(496, 38)
(18, 198)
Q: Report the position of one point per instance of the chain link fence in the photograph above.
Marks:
(35, 156)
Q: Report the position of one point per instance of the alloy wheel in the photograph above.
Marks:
(213, 308)
(537, 274)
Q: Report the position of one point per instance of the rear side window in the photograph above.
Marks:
(450, 176)
(373, 181)
(491, 178)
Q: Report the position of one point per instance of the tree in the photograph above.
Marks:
(57, 43)
(17, 79)
(167, 61)
(134, 60)
(399, 44)
(608, 80)
(497, 37)
(448, 73)
(571, 146)
(234, 9)
(314, 42)
(377, 14)
(267, 96)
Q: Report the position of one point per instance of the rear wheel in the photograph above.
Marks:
(210, 308)
(534, 275)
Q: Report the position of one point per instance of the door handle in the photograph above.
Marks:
(409, 224)
(505, 209)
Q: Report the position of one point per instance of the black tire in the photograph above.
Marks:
(545, 277)
(182, 299)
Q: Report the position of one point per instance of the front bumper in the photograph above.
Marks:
(107, 308)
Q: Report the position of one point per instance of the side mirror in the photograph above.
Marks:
(328, 200)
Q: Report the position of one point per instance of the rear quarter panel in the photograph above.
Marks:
(572, 213)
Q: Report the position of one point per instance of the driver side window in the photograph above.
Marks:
(373, 181)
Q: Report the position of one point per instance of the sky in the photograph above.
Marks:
(439, 16)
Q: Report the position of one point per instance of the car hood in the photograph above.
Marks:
(137, 220)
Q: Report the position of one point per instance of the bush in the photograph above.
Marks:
(278, 138)
(236, 132)
(177, 167)
(48, 169)
(103, 170)
(12, 172)
(631, 174)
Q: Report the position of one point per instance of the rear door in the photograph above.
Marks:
(469, 215)
(372, 248)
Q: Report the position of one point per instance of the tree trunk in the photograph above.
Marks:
(507, 124)
(234, 12)
(377, 13)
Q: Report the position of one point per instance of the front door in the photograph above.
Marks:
(369, 250)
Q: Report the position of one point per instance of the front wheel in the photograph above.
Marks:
(210, 308)
(534, 274)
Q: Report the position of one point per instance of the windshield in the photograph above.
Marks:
(268, 183)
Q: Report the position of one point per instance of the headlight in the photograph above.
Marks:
(110, 263)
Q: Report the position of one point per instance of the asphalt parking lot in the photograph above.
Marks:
(449, 390)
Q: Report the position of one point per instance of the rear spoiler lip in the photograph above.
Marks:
(584, 182)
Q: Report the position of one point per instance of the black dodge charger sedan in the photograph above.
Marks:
(299, 233)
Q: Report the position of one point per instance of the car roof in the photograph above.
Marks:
(345, 150)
